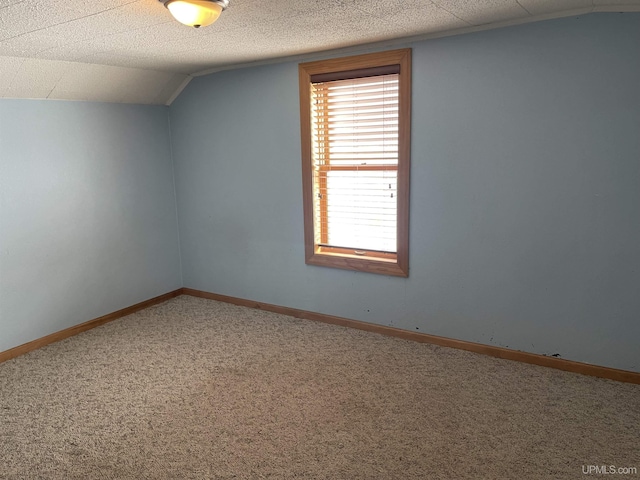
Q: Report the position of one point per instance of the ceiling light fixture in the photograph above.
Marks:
(196, 13)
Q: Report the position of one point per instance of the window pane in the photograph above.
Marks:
(355, 153)
(361, 209)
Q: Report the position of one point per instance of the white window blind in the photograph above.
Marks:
(355, 162)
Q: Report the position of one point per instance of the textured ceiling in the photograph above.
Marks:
(132, 51)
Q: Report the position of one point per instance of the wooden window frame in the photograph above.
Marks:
(373, 262)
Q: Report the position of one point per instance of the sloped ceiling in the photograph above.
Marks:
(132, 51)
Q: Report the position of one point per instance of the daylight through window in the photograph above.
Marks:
(356, 160)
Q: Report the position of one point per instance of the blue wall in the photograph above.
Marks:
(87, 213)
(525, 192)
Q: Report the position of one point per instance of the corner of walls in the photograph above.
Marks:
(179, 90)
(86, 213)
(175, 193)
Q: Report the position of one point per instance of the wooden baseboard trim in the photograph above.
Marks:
(76, 329)
(499, 352)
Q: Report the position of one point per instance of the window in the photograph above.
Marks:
(355, 121)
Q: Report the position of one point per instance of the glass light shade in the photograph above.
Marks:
(195, 13)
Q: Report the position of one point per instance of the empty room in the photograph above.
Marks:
(337, 239)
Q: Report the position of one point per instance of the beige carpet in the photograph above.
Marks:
(198, 389)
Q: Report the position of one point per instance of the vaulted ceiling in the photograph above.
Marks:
(133, 51)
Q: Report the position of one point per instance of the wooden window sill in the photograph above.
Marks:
(362, 263)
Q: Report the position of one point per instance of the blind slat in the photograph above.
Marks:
(355, 123)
